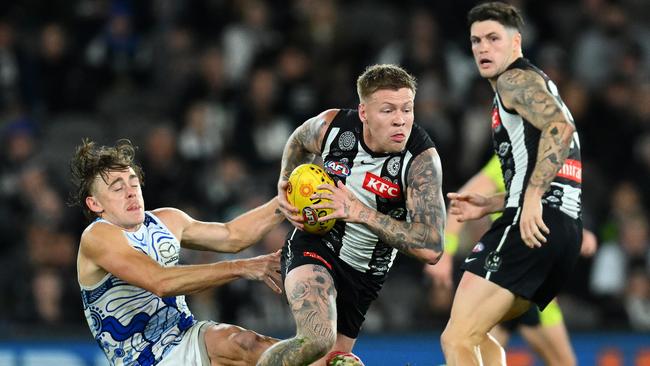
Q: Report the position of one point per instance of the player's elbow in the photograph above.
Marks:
(433, 257)
(162, 288)
(428, 256)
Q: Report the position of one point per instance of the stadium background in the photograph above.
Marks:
(210, 91)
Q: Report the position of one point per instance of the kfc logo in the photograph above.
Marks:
(381, 187)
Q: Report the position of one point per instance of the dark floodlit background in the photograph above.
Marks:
(211, 89)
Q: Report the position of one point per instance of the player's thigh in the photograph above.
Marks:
(311, 295)
(228, 344)
(475, 292)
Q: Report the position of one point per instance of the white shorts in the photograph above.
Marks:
(192, 350)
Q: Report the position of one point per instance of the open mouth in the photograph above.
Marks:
(484, 62)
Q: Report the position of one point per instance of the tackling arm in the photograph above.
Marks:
(106, 247)
(231, 237)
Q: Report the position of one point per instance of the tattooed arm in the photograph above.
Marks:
(526, 92)
(422, 235)
(303, 146)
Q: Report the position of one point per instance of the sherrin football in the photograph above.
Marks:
(302, 185)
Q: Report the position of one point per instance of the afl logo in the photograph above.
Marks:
(393, 166)
(347, 140)
(310, 215)
(337, 168)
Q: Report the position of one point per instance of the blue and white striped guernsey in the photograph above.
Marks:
(131, 325)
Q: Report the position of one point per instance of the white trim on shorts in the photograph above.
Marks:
(192, 350)
(503, 237)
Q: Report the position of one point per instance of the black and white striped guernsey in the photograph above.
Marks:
(516, 143)
(378, 180)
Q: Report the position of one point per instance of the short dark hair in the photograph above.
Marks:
(384, 76)
(91, 160)
(505, 14)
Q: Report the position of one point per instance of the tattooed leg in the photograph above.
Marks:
(312, 298)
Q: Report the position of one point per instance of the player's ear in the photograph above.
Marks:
(517, 40)
(94, 205)
(362, 112)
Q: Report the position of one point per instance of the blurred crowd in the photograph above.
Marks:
(211, 89)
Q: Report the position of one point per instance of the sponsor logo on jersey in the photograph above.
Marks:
(496, 119)
(381, 187)
(571, 170)
(318, 257)
(337, 168)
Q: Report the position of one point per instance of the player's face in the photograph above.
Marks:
(387, 117)
(118, 199)
(494, 47)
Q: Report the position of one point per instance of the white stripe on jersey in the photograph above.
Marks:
(330, 138)
(355, 249)
(407, 159)
(570, 199)
(514, 125)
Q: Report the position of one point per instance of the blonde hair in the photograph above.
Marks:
(385, 76)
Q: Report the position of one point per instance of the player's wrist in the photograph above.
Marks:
(235, 267)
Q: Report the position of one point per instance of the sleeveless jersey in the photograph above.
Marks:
(132, 325)
(378, 180)
(516, 143)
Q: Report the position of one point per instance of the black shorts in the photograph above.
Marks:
(355, 290)
(530, 318)
(535, 274)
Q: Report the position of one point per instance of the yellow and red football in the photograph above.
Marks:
(302, 185)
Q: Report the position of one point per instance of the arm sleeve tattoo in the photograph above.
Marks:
(422, 235)
(525, 91)
(303, 145)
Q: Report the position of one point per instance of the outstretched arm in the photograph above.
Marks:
(231, 237)
(105, 247)
(421, 236)
(526, 92)
(464, 206)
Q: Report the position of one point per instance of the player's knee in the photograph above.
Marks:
(247, 341)
(456, 337)
(227, 341)
(317, 347)
(567, 358)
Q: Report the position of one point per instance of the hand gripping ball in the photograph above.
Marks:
(302, 185)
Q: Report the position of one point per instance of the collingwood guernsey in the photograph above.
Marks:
(516, 143)
(378, 180)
